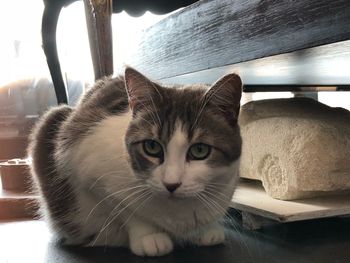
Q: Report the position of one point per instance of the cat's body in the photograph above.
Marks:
(159, 171)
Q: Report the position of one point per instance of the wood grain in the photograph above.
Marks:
(98, 19)
(326, 67)
(210, 34)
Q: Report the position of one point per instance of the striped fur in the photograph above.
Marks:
(96, 179)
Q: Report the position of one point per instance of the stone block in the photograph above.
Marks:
(297, 147)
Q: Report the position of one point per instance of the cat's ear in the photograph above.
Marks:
(141, 91)
(226, 94)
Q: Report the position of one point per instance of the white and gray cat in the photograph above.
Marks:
(138, 164)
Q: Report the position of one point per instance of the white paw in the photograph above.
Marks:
(152, 245)
(212, 236)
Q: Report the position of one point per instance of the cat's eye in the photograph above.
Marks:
(199, 151)
(152, 148)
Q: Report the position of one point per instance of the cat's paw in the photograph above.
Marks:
(212, 236)
(153, 245)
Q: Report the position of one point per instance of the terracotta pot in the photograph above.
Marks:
(15, 175)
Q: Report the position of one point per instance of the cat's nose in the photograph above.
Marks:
(172, 187)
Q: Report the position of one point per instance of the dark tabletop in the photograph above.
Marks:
(326, 240)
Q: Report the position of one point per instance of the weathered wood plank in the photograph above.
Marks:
(217, 33)
(326, 67)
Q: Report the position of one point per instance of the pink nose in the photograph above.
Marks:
(172, 187)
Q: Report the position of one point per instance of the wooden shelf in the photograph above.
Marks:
(250, 197)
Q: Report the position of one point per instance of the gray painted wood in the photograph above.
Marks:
(210, 34)
(325, 67)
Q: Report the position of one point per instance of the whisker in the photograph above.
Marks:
(108, 196)
(123, 200)
(105, 225)
(137, 208)
(128, 178)
(214, 206)
(218, 184)
(206, 204)
(224, 198)
(220, 208)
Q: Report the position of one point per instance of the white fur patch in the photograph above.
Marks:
(100, 165)
(175, 159)
(102, 148)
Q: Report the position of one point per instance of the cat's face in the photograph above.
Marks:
(183, 141)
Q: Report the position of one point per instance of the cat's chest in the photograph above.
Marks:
(179, 219)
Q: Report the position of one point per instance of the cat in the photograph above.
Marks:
(140, 165)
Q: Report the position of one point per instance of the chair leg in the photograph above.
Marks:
(98, 18)
(48, 31)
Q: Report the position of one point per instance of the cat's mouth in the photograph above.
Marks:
(175, 195)
(179, 196)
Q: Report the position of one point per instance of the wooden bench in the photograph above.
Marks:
(274, 45)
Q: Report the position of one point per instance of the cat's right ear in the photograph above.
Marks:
(141, 91)
(226, 94)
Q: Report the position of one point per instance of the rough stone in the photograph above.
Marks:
(297, 147)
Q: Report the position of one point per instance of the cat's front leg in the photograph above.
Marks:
(211, 235)
(147, 240)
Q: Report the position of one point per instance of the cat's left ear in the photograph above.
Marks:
(141, 91)
(226, 95)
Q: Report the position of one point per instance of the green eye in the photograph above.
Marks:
(152, 148)
(199, 151)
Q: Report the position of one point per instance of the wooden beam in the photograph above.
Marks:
(210, 34)
(322, 68)
(98, 19)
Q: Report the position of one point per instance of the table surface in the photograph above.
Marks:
(326, 240)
